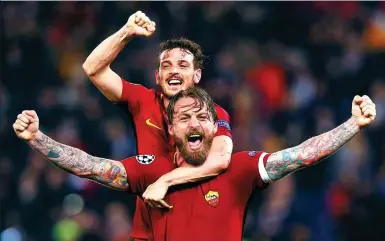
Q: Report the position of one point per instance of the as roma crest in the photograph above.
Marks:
(212, 198)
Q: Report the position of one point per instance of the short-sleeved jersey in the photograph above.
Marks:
(149, 116)
(151, 131)
(204, 211)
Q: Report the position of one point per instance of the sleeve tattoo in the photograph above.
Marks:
(104, 171)
(311, 151)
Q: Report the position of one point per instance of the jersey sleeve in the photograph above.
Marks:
(143, 170)
(134, 94)
(251, 165)
(134, 175)
(223, 122)
(140, 172)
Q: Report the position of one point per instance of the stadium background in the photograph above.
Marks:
(283, 71)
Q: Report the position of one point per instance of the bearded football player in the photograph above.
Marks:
(180, 66)
(209, 210)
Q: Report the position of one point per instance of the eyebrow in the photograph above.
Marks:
(199, 112)
(184, 115)
(165, 61)
(179, 61)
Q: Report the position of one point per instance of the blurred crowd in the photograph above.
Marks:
(284, 72)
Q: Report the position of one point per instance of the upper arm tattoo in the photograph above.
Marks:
(110, 173)
(311, 151)
(104, 171)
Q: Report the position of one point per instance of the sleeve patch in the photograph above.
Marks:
(225, 124)
(145, 159)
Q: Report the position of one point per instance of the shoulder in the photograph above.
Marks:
(223, 117)
(251, 164)
(132, 90)
(220, 110)
(147, 165)
(249, 159)
(147, 159)
(242, 155)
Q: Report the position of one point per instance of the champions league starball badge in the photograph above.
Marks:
(145, 159)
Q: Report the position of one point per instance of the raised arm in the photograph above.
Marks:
(97, 65)
(104, 171)
(317, 148)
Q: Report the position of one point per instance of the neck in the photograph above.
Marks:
(179, 160)
(166, 101)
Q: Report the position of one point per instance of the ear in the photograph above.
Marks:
(197, 76)
(216, 127)
(170, 129)
(157, 76)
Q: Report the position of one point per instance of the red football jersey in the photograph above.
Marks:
(206, 211)
(152, 137)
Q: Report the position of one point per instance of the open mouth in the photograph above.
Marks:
(174, 82)
(194, 141)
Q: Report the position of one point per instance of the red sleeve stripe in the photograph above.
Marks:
(261, 167)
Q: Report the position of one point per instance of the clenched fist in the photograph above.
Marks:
(363, 110)
(140, 24)
(26, 125)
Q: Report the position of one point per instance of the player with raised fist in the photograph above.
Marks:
(219, 204)
(180, 65)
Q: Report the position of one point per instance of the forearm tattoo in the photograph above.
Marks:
(75, 161)
(311, 151)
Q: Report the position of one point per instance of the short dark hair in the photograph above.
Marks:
(185, 44)
(202, 97)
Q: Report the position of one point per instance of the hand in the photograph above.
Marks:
(140, 24)
(26, 125)
(154, 195)
(363, 110)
